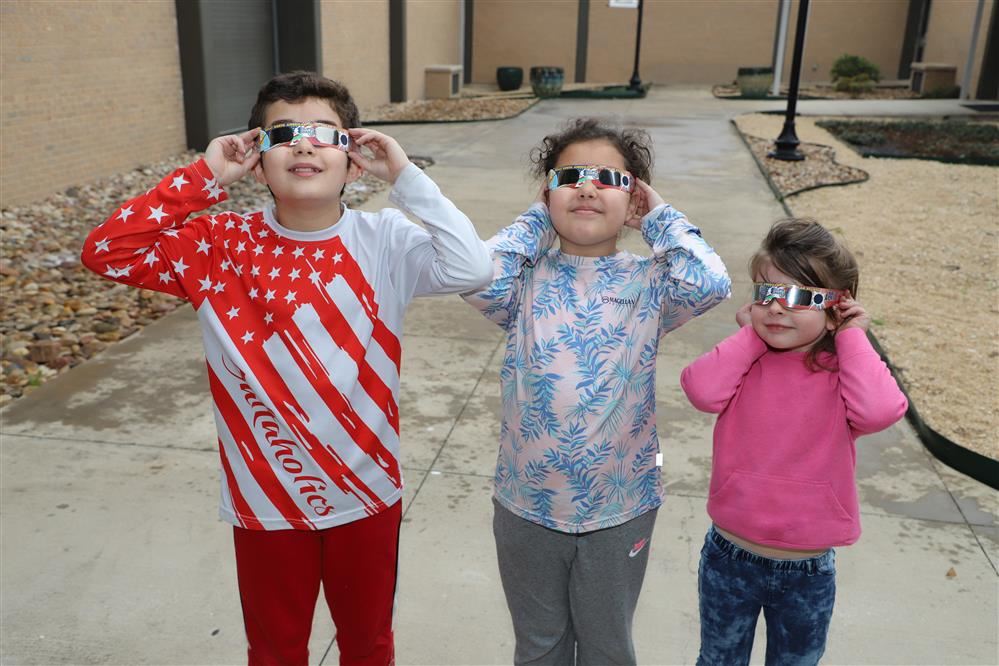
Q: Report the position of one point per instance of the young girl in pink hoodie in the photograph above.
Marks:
(793, 389)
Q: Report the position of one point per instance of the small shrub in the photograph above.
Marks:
(852, 66)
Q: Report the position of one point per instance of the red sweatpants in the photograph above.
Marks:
(279, 573)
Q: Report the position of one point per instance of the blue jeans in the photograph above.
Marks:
(796, 596)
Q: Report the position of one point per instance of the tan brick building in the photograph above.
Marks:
(174, 73)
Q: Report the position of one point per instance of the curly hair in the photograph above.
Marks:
(803, 249)
(299, 85)
(635, 146)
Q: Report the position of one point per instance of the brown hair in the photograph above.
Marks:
(635, 146)
(299, 85)
(806, 251)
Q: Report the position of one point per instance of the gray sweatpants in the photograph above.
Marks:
(572, 596)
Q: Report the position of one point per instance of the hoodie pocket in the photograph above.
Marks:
(781, 510)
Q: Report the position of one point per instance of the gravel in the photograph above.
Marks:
(819, 168)
(56, 313)
(926, 235)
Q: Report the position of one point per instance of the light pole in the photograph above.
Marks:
(787, 142)
(636, 81)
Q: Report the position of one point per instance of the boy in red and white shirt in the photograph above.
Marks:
(301, 308)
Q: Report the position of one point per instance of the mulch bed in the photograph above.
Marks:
(818, 169)
(731, 91)
(956, 141)
(448, 110)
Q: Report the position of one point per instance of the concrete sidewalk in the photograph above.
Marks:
(113, 553)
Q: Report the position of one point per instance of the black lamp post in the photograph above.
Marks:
(787, 142)
(636, 81)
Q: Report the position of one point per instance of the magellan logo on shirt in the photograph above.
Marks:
(618, 301)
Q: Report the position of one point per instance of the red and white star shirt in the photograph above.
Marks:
(302, 333)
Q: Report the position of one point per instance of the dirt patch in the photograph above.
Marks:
(926, 235)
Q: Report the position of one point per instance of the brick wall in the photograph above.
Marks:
(89, 88)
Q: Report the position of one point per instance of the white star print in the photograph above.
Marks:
(172, 232)
(151, 259)
(337, 258)
(252, 293)
(233, 312)
(179, 182)
(180, 266)
(230, 224)
(289, 297)
(124, 213)
(265, 233)
(245, 227)
(224, 265)
(206, 284)
(258, 250)
(102, 245)
(142, 250)
(299, 251)
(315, 277)
(203, 246)
(219, 287)
(212, 188)
(269, 296)
(294, 274)
(156, 213)
(275, 273)
(247, 336)
(269, 317)
(254, 271)
(166, 277)
(318, 254)
(277, 251)
(240, 247)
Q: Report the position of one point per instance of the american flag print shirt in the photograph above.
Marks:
(301, 333)
(578, 445)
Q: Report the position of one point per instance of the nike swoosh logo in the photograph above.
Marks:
(637, 548)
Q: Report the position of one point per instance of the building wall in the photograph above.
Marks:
(355, 47)
(683, 41)
(874, 30)
(948, 35)
(524, 33)
(433, 31)
(71, 71)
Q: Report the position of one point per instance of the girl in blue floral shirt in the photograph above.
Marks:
(577, 482)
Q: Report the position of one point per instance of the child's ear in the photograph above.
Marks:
(258, 171)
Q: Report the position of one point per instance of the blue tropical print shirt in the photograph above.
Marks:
(578, 445)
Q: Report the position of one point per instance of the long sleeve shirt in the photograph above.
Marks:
(301, 333)
(578, 446)
(784, 459)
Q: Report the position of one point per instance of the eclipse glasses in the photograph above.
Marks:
(793, 297)
(321, 136)
(602, 177)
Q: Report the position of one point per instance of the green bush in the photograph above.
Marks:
(852, 66)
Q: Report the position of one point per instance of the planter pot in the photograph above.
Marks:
(509, 78)
(547, 81)
(755, 82)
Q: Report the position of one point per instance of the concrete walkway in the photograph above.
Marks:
(111, 547)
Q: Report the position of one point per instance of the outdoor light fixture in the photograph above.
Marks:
(636, 82)
(787, 142)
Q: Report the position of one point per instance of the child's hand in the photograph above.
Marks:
(232, 156)
(643, 200)
(388, 158)
(743, 316)
(852, 314)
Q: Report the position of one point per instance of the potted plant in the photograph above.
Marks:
(755, 82)
(509, 78)
(547, 81)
